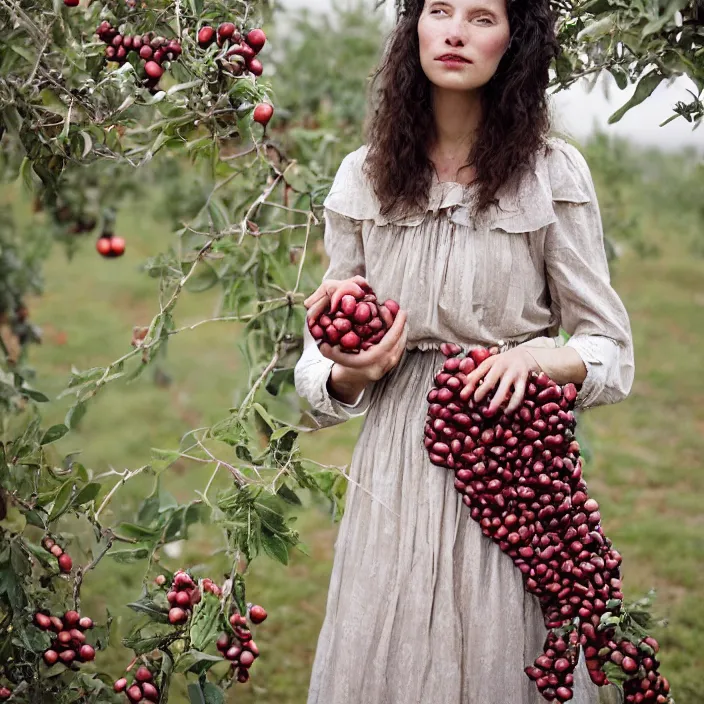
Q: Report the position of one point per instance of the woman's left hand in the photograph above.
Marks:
(510, 368)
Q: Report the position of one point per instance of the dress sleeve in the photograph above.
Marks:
(583, 300)
(343, 245)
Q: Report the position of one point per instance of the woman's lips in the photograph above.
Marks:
(454, 61)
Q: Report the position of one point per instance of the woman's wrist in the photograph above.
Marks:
(344, 384)
(563, 365)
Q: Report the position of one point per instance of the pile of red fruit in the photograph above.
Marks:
(183, 596)
(69, 644)
(359, 324)
(109, 245)
(240, 50)
(521, 477)
(152, 49)
(239, 648)
(142, 687)
(64, 559)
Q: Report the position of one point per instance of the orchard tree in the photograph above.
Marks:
(90, 94)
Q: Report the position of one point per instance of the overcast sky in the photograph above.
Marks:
(576, 111)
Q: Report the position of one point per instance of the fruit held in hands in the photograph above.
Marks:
(360, 322)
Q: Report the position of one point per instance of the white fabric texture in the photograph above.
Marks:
(422, 607)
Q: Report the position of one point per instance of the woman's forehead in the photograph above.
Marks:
(469, 4)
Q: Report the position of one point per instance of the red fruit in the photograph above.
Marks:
(195, 597)
(246, 659)
(65, 563)
(5, 693)
(117, 246)
(50, 657)
(629, 665)
(257, 614)
(171, 597)
(67, 656)
(182, 579)
(153, 70)
(256, 39)
(255, 66)
(252, 647)
(150, 692)
(120, 685)
(103, 245)
(233, 653)
(71, 3)
(48, 543)
(143, 674)
(64, 637)
(206, 36)
(263, 113)
(563, 694)
(392, 307)
(42, 620)
(160, 580)
(226, 30)
(223, 642)
(134, 693)
(77, 636)
(85, 623)
(71, 618)
(56, 624)
(56, 550)
(479, 354)
(183, 599)
(350, 341)
(174, 47)
(242, 675)
(86, 653)
(128, 42)
(146, 52)
(177, 615)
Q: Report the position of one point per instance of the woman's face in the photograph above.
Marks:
(475, 30)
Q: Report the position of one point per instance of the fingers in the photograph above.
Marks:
(489, 382)
(394, 333)
(317, 308)
(475, 377)
(518, 395)
(502, 392)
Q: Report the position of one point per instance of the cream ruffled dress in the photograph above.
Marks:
(422, 608)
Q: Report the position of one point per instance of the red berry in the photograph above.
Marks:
(177, 615)
(183, 599)
(120, 685)
(226, 30)
(71, 3)
(160, 580)
(255, 66)
(143, 674)
(86, 653)
(153, 70)
(150, 692)
(242, 675)
(85, 623)
(56, 624)
(104, 246)
(233, 653)
(195, 596)
(77, 636)
(65, 563)
(64, 637)
(134, 693)
(42, 620)
(56, 550)
(5, 693)
(206, 35)
(223, 642)
(171, 597)
(67, 656)
(146, 52)
(182, 579)
(256, 39)
(257, 614)
(263, 113)
(48, 543)
(71, 618)
(50, 657)
(246, 659)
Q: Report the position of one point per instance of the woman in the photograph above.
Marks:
(487, 232)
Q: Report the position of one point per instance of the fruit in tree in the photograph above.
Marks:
(257, 614)
(206, 36)
(263, 113)
(256, 39)
(65, 563)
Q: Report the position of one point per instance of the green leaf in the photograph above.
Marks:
(63, 500)
(56, 432)
(75, 414)
(34, 639)
(275, 547)
(197, 662)
(288, 495)
(205, 623)
(130, 555)
(86, 494)
(132, 530)
(218, 214)
(202, 279)
(35, 395)
(644, 90)
(213, 694)
(151, 609)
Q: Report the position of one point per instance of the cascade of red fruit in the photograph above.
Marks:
(142, 687)
(183, 596)
(239, 648)
(520, 475)
(63, 558)
(69, 644)
(359, 324)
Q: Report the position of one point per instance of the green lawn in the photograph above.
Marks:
(645, 471)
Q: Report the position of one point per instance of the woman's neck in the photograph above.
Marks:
(457, 118)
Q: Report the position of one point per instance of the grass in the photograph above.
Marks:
(645, 471)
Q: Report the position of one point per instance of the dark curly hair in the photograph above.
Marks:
(515, 107)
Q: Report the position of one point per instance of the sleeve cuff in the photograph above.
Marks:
(599, 354)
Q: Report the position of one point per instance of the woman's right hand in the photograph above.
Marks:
(372, 364)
